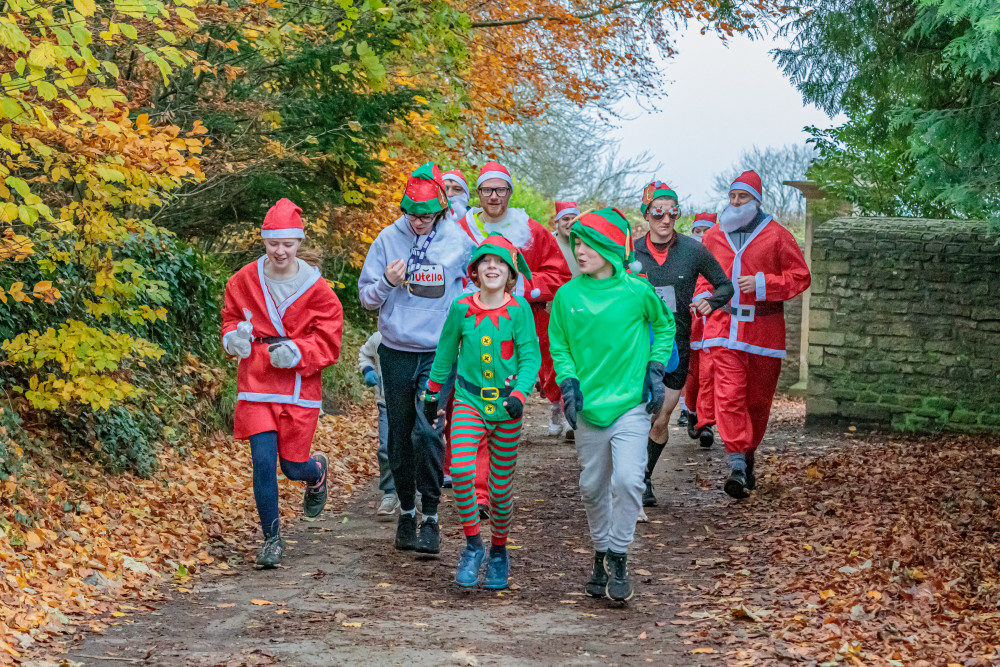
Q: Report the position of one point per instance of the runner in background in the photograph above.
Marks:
(541, 251)
(672, 262)
(689, 401)
(371, 369)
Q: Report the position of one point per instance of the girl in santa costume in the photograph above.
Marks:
(745, 341)
(689, 402)
(457, 191)
(608, 369)
(284, 323)
(541, 252)
(414, 269)
(491, 334)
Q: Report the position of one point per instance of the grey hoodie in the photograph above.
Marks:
(412, 315)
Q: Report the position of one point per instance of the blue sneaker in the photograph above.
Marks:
(497, 571)
(469, 564)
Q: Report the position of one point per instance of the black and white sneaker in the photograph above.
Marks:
(682, 420)
(619, 587)
(271, 553)
(598, 584)
(315, 497)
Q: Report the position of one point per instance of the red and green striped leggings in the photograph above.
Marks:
(468, 431)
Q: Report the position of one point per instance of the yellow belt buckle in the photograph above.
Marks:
(489, 393)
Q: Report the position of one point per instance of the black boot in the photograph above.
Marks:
(751, 478)
(648, 498)
(706, 438)
(596, 587)
(619, 587)
(692, 425)
(429, 541)
(682, 420)
(736, 484)
(406, 532)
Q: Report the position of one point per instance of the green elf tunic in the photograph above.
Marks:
(496, 349)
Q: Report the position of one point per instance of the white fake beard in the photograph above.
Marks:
(514, 227)
(734, 217)
(460, 204)
(699, 239)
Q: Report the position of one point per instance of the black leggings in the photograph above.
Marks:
(264, 451)
(416, 448)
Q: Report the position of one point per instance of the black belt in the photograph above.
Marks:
(761, 308)
(485, 393)
(271, 340)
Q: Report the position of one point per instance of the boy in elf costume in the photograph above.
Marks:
(599, 334)
(284, 323)
(492, 336)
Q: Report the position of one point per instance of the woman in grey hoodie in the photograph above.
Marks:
(414, 270)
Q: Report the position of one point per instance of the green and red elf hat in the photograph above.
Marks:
(655, 190)
(609, 233)
(497, 244)
(424, 191)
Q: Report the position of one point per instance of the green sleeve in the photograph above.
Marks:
(447, 348)
(562, 360)
(529, 355)
(662, 322)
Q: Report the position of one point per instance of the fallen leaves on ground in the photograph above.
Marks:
(77, 542)
(874, 553)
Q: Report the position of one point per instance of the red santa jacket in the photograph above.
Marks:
(755, 322)
(312, 318)
(548, 267)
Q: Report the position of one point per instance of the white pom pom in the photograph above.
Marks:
(535, 293)
(635, 267)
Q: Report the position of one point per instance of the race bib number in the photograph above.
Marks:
(427, 281)
(666, 294)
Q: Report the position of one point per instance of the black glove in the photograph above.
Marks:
(652, 388)
(514, 407)
(431, 408)
(572, 400)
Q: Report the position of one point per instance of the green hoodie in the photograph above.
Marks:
(599, 334)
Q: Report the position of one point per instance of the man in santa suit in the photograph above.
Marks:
(540, 249)
(457, 191)
(746, 340)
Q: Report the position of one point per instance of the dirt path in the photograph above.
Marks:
(346, 597)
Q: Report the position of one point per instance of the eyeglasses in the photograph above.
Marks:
(489, 192)
(421, 218)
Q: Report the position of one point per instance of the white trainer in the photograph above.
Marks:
(557, 422)
(642, 516)
(387, 508)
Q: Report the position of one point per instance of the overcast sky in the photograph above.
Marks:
(694, 132)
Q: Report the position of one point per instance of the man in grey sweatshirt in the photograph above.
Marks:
(413, 271)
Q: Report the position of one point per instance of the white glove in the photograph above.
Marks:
(239, 346)
(284, 354)
(245, 330)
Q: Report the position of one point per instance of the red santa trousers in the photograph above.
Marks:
(744, 388)
(691, 386)
(547, 373)
(706, 388)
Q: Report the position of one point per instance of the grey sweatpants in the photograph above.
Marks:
(611, 482)
(385, 483)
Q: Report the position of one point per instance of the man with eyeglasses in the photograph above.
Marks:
(414, 269)
(549, 271)
(673, 262)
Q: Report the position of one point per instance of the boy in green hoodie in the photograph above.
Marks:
(607, 369)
